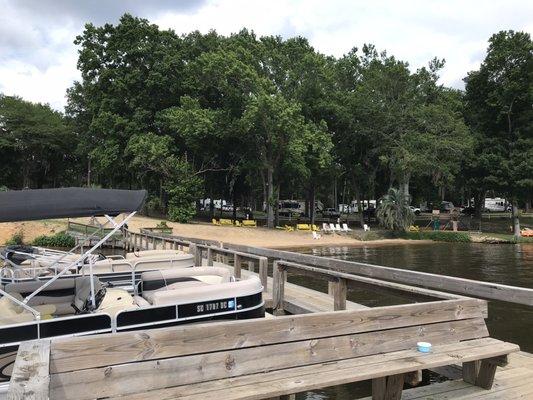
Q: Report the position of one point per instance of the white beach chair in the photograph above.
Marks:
(338, 228)
(325, 228)
(316, 235)
(345, 228)
(332, 227)
(366, 228)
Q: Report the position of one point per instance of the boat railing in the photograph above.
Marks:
(237, 257)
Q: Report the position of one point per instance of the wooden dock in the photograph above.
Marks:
(312, 339)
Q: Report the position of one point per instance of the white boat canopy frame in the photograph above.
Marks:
(23, 205)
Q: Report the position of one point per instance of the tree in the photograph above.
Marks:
(36, 142)
(273, 128)
(499, 99)
(394, 212)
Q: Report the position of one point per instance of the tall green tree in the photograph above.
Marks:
(499, 97)
(37, 144)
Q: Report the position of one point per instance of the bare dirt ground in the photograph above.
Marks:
(261, 237)
(30, 229)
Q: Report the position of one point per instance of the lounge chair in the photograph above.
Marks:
(333, 227)
(326, 228)
(366, 228)
(249, 223)
(345, 228)
(215, 222)
(338, 228)
(303, 227)
(316, 235)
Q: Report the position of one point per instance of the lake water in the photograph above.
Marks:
(505, 263)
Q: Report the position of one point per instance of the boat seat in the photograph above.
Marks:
(83, 291)
(60, 293)
(226, 290)
(168, 280)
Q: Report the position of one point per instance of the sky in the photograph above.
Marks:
(38, 57)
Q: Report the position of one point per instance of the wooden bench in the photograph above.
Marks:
(265, 358)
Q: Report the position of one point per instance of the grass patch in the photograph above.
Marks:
(60, 239)
(439, 236)
(16, 239)
(368, 236)
(507, 238)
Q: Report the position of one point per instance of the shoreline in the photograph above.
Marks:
(258, 237)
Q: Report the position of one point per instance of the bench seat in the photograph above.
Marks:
(300, 379)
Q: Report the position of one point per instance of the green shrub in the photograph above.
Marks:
(16, 239)
(439, 236)
(60, 239)
(368, 236)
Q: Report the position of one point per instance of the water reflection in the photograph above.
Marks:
(507, 264)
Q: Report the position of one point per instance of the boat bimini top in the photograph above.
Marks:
(33, 204)
(24, 205)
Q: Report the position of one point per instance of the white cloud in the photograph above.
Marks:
(38, 59)
(34, 84)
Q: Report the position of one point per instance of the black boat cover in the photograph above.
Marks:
(31, 204)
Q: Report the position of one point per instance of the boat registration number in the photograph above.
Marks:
(206, 307)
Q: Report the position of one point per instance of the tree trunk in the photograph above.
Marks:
(89, 172)
(276, 207)
(270, 198)
(479, 203)
(359, 208)
(234, 207)
(528, 205)
(404, 187)
(312, 205)
(516, 220)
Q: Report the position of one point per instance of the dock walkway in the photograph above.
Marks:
(513, 381)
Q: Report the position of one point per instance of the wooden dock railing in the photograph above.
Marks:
(338, 283)
(238, 258)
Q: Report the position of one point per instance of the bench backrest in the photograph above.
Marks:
(107, 365)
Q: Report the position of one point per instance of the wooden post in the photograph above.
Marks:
(194, 250)
(278, 290)
(209, 257)
(330, 288)
(30, 378)
(263, 272)
(339, 294)
(471, 371)
(487, 370)
(387, 388)
(237, 265)
(251, 266)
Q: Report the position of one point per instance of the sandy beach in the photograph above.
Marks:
(261, 237)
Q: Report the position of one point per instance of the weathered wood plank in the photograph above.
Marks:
(276, 383)
(111, 381)
(471, 371)
(30, 377)
(73, 353)
(467, 287)
(339, 294)
(487, 370)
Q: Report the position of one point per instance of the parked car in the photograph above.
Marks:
(415, 210)
(331, 213)
(369, 213)
(446, 207)
(227, 207)
(468, 210)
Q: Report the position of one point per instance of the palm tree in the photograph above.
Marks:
(394, 212)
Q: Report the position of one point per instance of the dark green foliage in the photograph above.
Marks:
(439, 236)
(393, 212)
(60, 239)
(36, 145)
